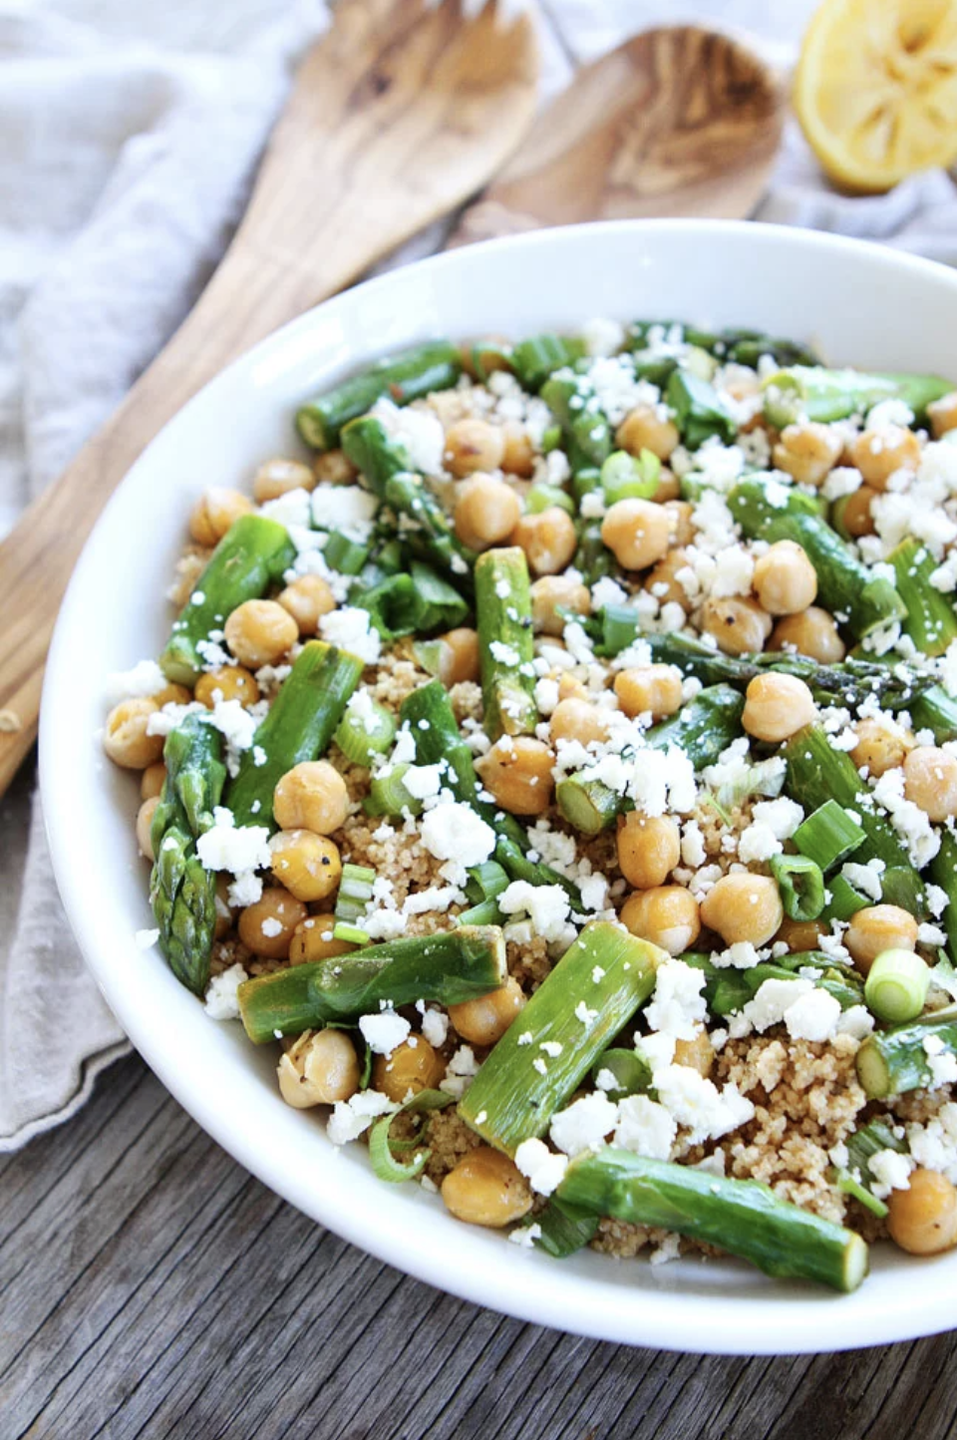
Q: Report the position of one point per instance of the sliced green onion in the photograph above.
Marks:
(698, 410)
(534, 359)
(428, 655)
(801, 885)
(486, 912)
(486, 881)
(355, 892)
(896, 986)
(543, 497)
(619, 628)
(384, 1164)
(561, 1229)
(585, 481)
(351, 934)
(442, 607)
(828, 835)
(411, 604)
(388, 795)
(390, 558)
(551, 439)
(345, 555)
(845, 1182)
(845, 901)
(631, 1072)
(360, 736)
(623, 477)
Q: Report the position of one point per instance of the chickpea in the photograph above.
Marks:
(811, 633)
(666, 915)
(486, 1188)
(662, 581)
(152, 780)
(697, 1053)
(879, 748)
(171, 695)
(311, 796)
(259, 632)
(517, 772)
(743, 907)
(484, 1021)
(649, 848)
(739, 626)
(637, 532)
(643, 428)
(144, 821)
(777, 707)
(473, 444)
(942, 414)
(313, 940)
(412, 1066)
(125, 739)
(307, 600)
(808, 451)
(669, 487)
(923, 1218)
(320, 1069)
(278, 477)
(333, 467)
(549, 540)
(930, 780)
(227, 682)
(267, 926)
(785, 581)
(518, 455)
(307, 864)
(879, 454)
(877, 928)
(189, 567)
(800, 935)
(214, 513)
(552, 593)
(486, 512)
(578, 720)
(679, 521)
(654, 689)
(459, 656)
(856, 512)
(571, 688)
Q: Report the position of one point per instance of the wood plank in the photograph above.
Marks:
(151, 1288)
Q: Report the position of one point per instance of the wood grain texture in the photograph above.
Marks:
(151, 1288)
(677, 121)
(396, 117)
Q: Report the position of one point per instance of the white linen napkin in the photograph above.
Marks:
(127, 140)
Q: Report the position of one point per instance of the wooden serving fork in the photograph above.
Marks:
(397, 115)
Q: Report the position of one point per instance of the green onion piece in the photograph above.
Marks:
(486, 881)
(845, 1182)
(384, 1164)
(390, 558)
(345, 555)
(562, 1228)
(801, 885)
(365, 731)
(411, 604)
(544, 497)
(896, 986)
(625, 477)
(845, 901)
(355, 892)
(828, 835)
(551, 439)
(699, 413)
(585, 481)
(619, 628)
(631, 1072)
(534, 359)
(486, 912)
(351, 934)
(428, 655)
(388, 795)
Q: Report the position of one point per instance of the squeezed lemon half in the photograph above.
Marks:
(876, 89)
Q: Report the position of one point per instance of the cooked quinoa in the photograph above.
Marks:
(598, 695)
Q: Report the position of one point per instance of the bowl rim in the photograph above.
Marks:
(775, 1324)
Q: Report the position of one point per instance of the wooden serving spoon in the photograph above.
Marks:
(678, 121)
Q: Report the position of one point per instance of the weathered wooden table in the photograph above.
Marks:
(150, 1287)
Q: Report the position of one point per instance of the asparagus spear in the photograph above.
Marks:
(889, 1062)
(449, 968)
(942, 871)
(699, 413)
(503, 605)
(252, 556)
(935, 710)
(816, 772)
(743, 347)
(593, 559)
(182, 892)
(435, 365)
(703, 727)
(592, 992)
(804, 392)
(741, 1216)
(849, 682)
(387, 466)
(856, 1179)
(930, 622)
(571, 398)
(538, 357)
(845, 586)
(727, 991)
(299, 726)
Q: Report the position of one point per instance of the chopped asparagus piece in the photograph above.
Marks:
(699, 413)
(931, 622)
(534, 359)
(503, 604)
(571, 398)
(435, 365)
(804, 392)
(595, 988)
(741, 1216)
(891, 1062)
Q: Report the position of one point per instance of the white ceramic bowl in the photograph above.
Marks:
(873, 307)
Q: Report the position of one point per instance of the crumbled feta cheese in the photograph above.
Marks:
(435, 1027)
(143, 680)
(350, 1118)
(645, 1127)
(542, 1169)
(547, 905)
(584, 1124)
(417, 428)
(813, 1016)
(891, 1171)
(221, 994)
(696, 1103)
(758, 842)
(348, 508)
(603, 337)
(384, 1032)
(351, 629)
(781, 816)
(453, 831)
(678, 1006)
(232, 847)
